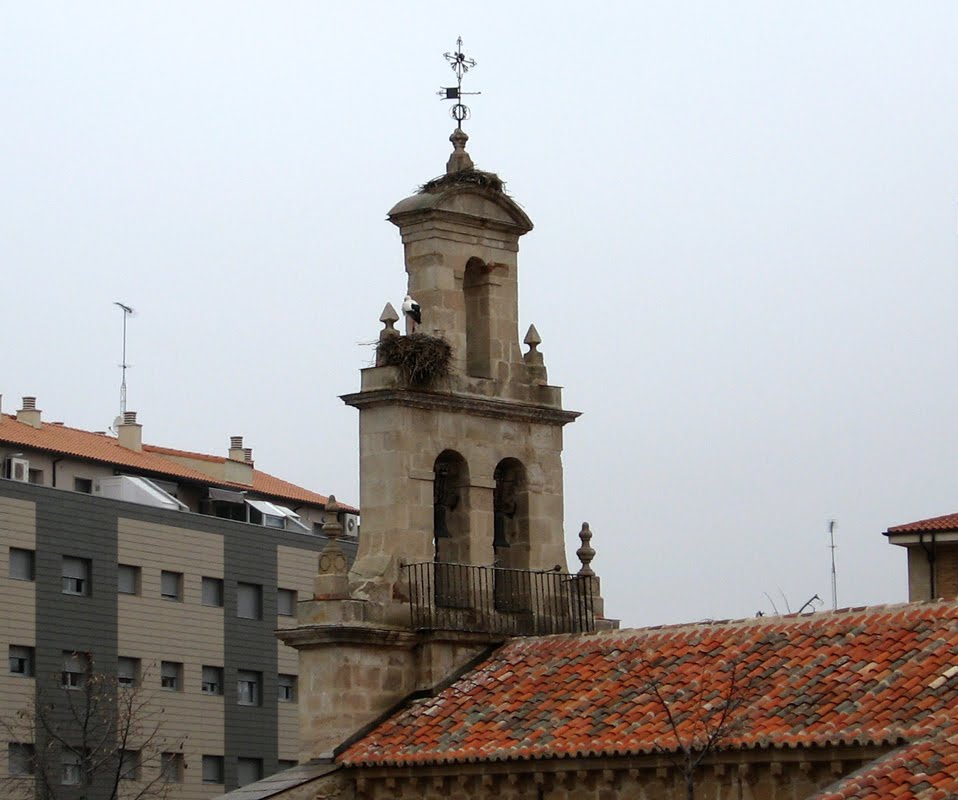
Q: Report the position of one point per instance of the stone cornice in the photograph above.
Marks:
(469, 222)
(305, 635)
(477, 406)
(664, 762)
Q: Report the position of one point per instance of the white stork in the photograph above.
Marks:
(413, 314)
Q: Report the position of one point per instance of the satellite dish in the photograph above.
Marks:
(117, 422)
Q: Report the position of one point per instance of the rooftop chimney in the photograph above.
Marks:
(29, 414)
(129, 433)
(238, 468)
(237, 452)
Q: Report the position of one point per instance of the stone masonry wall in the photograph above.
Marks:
(749, 778)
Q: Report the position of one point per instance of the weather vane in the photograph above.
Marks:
(460, 65)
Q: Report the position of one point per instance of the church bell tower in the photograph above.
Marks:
(465, 468)
(460, 436)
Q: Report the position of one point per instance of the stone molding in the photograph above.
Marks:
(476, 406)
(307, 635)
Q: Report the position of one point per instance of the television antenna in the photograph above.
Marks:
(832, 524)
(127, 313)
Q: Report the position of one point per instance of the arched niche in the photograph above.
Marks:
(450, 499)
(477, 292)
(510, 502)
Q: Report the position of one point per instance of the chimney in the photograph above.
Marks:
(238, 468)
(29, 414)
(237, 452)
(129, 433)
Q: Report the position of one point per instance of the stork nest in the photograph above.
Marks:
(422, 359)
(473, 177)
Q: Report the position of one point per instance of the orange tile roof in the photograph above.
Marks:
(63, 440)
(877, 675)
(925, 769)
(949, 522)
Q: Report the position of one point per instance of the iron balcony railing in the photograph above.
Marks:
(512, 602)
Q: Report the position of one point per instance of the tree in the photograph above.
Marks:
(89, 736)
(700, 711)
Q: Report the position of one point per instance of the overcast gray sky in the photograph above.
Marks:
(743, 267)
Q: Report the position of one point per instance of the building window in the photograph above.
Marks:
(212, 589)
(248, 770)
(212, 680)
(127, 671)
(21, 661)
(35, 476)
(286, 602)
(75, 576)
(248, 688)
(84, 485)
(21, 564)
(171, 585)
(20, 759)
(76, 667)
(70, 769)
(129, 765)
(127, 579)
(171, 767)
(212, 769)
(287, 688)
(171, 675)
(249, 600)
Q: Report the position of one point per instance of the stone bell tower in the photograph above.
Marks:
(466, 469)
(460, 438)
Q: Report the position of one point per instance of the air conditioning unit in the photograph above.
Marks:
(18, 469)
(351, 524)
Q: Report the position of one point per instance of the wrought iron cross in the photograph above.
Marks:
(460, 65)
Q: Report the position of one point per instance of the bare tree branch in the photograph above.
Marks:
(700, 714)
(108, 728)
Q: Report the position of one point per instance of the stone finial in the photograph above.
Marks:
(586, 552)
(332, 529)
(533, 339)
(388, 318)
(459, 160)
(331, 581)
(533, 358)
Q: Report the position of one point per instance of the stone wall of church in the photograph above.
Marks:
(399, 446)
(754, 776)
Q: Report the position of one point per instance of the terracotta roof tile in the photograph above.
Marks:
(877, 675)
(949, 522)
(153, 460)
(923, 769)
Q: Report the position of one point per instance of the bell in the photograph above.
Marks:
(439, 528)
(499, 531)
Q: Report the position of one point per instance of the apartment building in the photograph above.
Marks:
(135, 563)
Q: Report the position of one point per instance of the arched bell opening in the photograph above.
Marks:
(450, 527)
(510, 542)
(477, 291)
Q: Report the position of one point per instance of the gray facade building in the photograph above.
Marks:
(188, 601)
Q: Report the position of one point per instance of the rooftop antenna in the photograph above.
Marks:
(127, 312)
(460, 65)
(831, 546)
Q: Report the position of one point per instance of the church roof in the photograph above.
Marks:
(926, 769)
(885, 675)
